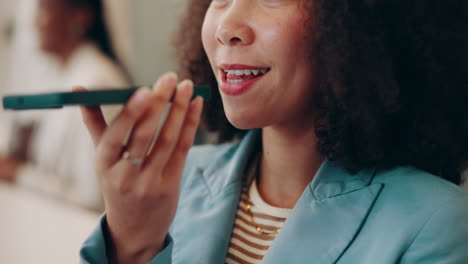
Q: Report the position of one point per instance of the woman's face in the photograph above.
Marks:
(57, 24)
(51, 24)
(260, 57)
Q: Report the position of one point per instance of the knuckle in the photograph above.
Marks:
(179, 106)
(129, 115)
(146, 193)
(124, 187)
(160, 99)
(143, 136)
(110, 145)
(184, 146)
(191, 122)
(165, 139)
(122, 180)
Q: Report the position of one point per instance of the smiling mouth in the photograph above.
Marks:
(241, 75)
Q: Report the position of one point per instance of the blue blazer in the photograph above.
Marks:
(403, 215)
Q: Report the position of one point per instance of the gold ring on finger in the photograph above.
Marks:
(129, 157)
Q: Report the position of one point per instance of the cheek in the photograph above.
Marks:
(208, 35)
(51, 26)
(295, 69)
(291, 41)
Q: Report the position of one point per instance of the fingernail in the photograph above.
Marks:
(187, 83)
(185, 86)
(172, 75)
(198, 103)
(170, 78)
(165, 78)
(143, 94)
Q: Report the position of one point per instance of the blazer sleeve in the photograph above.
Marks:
(94, 250)
(444, 237)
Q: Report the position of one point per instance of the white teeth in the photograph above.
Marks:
(246, 72)
(235, 81)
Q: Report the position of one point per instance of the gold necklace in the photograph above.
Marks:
(249, 210)
(260, 230)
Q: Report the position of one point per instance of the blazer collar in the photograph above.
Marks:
(323, 223)
(329, 181)
(320, 231)
(332, 180)
(229, 169)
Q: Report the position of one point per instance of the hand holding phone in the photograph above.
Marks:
(86, 98)
(140, 180)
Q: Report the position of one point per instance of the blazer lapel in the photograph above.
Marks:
(326, 219)
(211, 202)
(324, 222)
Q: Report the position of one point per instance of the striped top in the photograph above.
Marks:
(248, 245)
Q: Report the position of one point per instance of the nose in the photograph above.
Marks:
(233, 28)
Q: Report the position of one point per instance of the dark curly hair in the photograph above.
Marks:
(393, 87)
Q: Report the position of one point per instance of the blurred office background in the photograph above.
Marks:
(41, 228)
(141, 32)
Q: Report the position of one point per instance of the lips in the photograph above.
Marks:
(237, 79)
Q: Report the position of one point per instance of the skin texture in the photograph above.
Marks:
(242, 32)
(138, 227)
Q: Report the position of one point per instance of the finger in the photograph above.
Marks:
(110, 147)
(93, 119)
(169, 135)
(144, 131)
(176, 162)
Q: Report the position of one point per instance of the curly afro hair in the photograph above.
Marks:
(393, 87)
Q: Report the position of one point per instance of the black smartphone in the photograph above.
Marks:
(87, 98)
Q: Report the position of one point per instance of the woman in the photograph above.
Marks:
(356, 119)
(61, 154)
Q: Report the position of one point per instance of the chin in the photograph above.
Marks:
(47, 47)
(244, 122)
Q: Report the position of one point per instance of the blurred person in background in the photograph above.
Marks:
(60, 156)
(6, 32)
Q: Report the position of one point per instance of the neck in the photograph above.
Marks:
(288, 164)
